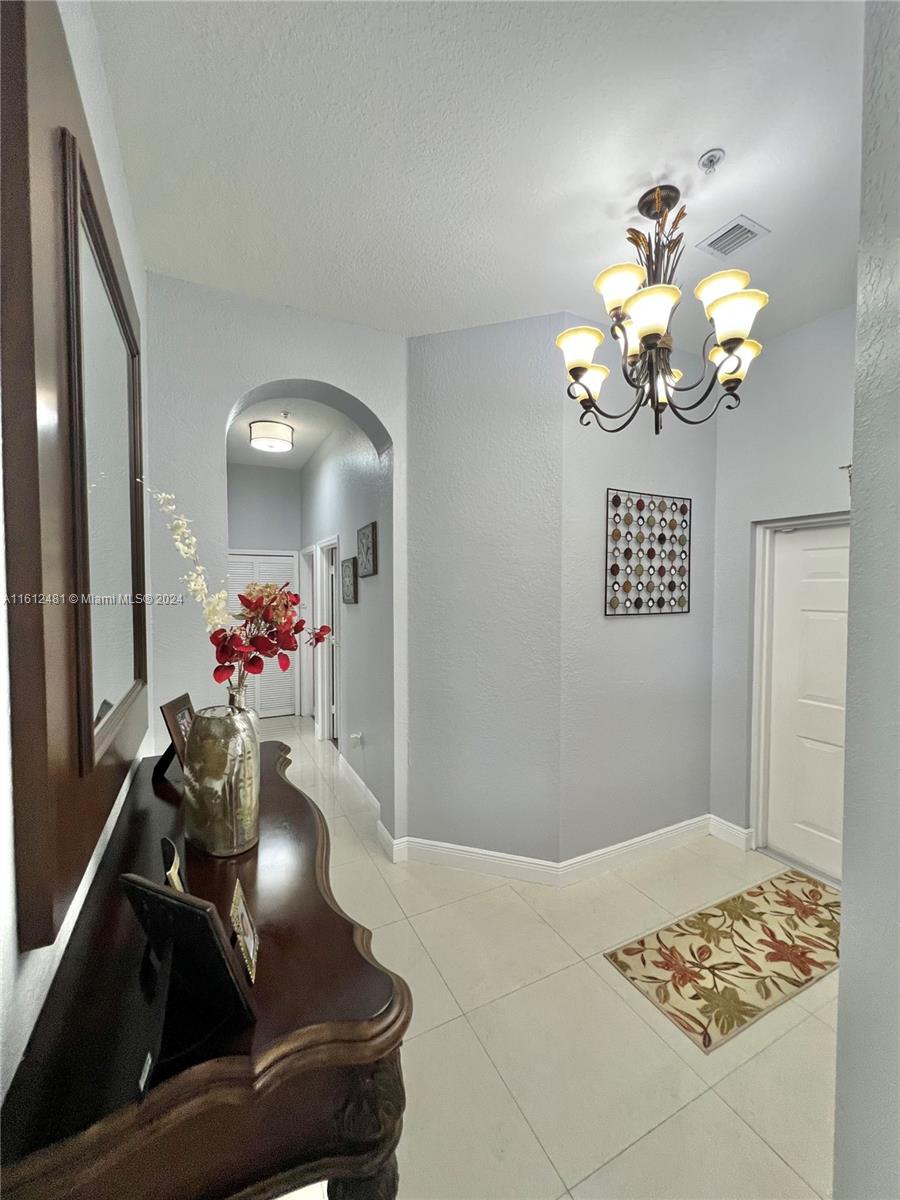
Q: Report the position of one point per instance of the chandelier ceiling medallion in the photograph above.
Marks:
(640, 298)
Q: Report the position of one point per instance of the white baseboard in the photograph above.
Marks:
(573, 870)
(389, 845)
(371, 799)
(735, 835)
(540, 870)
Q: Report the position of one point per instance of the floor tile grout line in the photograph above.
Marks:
(614, 945)
(541, 917)
(689, 912)
(465, 1011)
(463, 1015)
(646, 895)
(438, 971)
(639, 1139)
(762, 1049)
(446, 903)
(515, 1101)
(796, 1170)
(521, 987)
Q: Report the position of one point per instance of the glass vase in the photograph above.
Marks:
(221, 779)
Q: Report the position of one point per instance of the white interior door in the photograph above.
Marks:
(274, 692)
(808, 684)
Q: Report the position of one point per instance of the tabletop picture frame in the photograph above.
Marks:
(178, 715)
(203, 960)
(245, 934)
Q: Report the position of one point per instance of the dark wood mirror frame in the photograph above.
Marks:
(80, 208)
(64, 786)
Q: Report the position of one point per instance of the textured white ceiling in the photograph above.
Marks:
(426, 166)
(312, 423)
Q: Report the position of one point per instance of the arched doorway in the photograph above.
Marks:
(312, 506)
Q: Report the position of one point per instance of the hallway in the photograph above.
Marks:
(533, 1071)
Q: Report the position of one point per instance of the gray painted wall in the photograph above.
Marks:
(485, 485)
(538, 726)
(778, 456)
(867, 1141)
(634, 713)
(263, 508)
(207, 350)
(344, 486)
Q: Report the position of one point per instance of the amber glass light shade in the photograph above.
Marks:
(578, 345)
(733, 315)
(745, 353)
(594, 378)
(617, 283)
(651, 309)
(722, 283)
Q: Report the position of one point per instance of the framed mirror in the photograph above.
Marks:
(107, 504)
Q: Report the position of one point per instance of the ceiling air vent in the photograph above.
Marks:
(732, 236)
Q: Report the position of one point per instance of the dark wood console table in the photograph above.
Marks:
(313, 1091)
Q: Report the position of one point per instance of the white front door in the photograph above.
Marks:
(808, 684)
(274, 692)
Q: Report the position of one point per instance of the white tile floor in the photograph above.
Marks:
(533, 1071)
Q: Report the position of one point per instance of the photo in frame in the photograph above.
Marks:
(349, 589)
(367, 549)
(178, 715)
(245, 934)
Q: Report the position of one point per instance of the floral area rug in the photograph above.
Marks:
(722, 968)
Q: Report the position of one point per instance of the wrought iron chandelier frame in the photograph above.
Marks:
(649, 372)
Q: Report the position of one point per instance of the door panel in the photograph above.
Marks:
(240, 574)
(808, 686)
(274, 692)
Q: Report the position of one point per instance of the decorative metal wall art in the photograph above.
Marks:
(349, 575)
(367, 549)
(648, 554)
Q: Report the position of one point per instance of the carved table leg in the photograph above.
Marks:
(382, 1186)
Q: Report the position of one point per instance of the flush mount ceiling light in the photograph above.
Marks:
(640, 298)
(276, 437)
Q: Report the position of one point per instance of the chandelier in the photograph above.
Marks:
(640, 298)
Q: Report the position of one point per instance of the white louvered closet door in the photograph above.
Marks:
(274, 692)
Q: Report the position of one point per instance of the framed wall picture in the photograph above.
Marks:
(648, 554)
(178, 715)
(367, 549)
(348, 580)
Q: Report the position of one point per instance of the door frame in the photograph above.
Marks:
(292, 554)
(763, 533)
(320, 603)
(307, 657)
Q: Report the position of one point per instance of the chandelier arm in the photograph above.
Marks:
(595, 413)
(632, 379)
(573, 389)
(732, 396)
(704, 397)
(689, 387)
